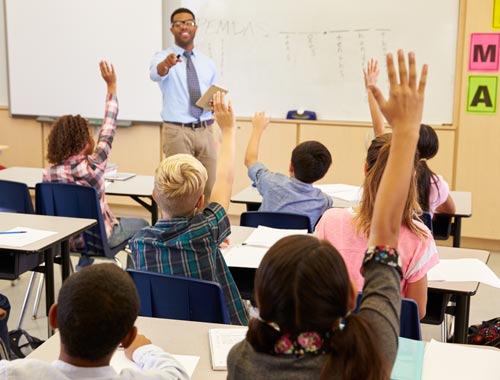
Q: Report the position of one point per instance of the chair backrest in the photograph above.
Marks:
(15, 197)
(427, 219)
(409, 323)
(442, 226)
(76, 201)
(177, 297)
(284, 220)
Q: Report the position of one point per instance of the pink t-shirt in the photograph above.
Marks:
(418, 255)
(438, 193)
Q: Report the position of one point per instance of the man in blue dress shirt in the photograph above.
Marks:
(184, 74)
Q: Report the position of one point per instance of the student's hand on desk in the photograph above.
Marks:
(223, 113)
(260, 121)
(139, 341)
(371, 73)
(109, 75)
(403, 110)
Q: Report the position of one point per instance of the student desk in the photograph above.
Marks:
(137, 187)
(17, 260)
(462, 291)
(176, 337)
(252, 199)
(463, 202)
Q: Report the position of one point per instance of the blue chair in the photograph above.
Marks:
(284, 220)
(409, 323)
(177, 297)
(426, 218)
(76, 201)
(15, 197)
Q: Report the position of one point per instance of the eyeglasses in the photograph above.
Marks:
(179, 24)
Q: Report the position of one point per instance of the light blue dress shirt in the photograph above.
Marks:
(174, 85)
(284, 194)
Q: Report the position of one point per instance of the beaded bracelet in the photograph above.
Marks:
(382, 254)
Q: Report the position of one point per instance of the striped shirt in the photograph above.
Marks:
(88, 170)
(189, 247)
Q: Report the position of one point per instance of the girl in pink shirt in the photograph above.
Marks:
(348, 230)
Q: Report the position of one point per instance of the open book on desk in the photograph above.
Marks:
(221, 341)
(266, 236)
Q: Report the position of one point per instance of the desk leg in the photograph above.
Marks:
(65, 260)
(152, 208)
(457, 233)
(462, 309)
(49, 284)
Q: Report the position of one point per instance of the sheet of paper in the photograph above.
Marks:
(463, 270)
(266, 236)
(348, 193)
(460, 362)
(30, 235)
(221, 341)
(119, 362)
(244, 256)
(409, 360)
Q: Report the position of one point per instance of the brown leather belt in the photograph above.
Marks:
(204, 123)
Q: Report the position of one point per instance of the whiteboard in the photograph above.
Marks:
(281, 55)
(54, 47)
(3, 60)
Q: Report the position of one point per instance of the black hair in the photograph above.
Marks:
(97, 307)
(181, 10)
(310, 160)
(427, 148)
(302, 284)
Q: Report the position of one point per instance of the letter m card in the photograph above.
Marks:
(484, 49)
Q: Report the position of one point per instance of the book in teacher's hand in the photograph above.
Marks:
(221, 341)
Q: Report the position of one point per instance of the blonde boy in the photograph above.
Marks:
(186, 240)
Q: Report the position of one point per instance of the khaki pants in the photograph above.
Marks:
(198, 142)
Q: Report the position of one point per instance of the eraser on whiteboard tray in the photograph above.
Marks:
(301, 115)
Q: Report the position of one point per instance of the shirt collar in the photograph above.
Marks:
(84, 372)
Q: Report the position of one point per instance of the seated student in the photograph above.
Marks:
(302, 287)
(4, 318)
(348, 230)
(295, 194)
(96, 311)
(186, 240)
(433, 190)
(75, 158)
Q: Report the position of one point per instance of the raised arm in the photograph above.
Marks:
(403, 110)
(371, 76)
(107, 133)
(226, 120)
(259, 124)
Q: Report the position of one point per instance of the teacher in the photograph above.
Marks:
(183, 75)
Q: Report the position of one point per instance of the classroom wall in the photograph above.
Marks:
(478, 153)
(467, 157)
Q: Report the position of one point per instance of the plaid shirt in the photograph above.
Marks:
(89, 170)
(190, 247)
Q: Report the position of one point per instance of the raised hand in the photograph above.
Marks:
(371, 72)
(223, 113)
(403, 110)
(109, 75)
(260, 121)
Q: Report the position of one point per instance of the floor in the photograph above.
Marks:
(484, 305)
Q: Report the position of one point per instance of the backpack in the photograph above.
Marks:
(22, 343)
(485, 334)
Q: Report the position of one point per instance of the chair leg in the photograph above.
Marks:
(27, 297)
(41, 282)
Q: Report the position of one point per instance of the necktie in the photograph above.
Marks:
(193, 86)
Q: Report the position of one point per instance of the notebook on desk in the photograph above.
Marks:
(118, 176)
(221, 341)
